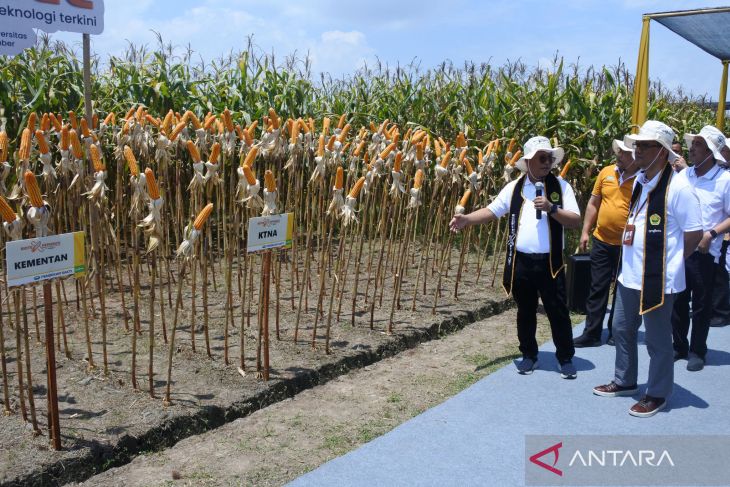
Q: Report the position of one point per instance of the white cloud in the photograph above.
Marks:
(339, 52)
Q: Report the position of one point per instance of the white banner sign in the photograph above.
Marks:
(37, 259)
(270, 232)
(18, 18)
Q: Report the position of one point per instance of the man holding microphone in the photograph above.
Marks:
(539, 206)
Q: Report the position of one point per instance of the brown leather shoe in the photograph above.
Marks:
(614, 390)
(648, 406)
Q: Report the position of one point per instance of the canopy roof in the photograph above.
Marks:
(706, 28)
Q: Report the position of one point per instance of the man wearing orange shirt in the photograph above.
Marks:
(607, 210)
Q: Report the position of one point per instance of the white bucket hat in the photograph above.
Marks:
(533, 146)
(714, 138)
(618, 145)
(654, 131)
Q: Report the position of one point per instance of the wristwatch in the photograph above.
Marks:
(713, 233)
(553, 209)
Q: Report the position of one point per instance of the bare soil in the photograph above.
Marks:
(105, 423)
(283, 441)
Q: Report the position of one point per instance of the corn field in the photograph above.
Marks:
(179, 156)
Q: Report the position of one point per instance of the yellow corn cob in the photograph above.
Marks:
(269, 181)
(131, 161)
(490, 148)
(42, 144)
(445, 160)
(465, 199)
(469, 168)
(219, 126)
(480, 157)
(311, 126)
(303, 127)
(418, 135)
(85, 128)
(320, 146)
(127, 126)
(32, 121)
(110, 119)
(395, 135)
(152, 120)
(407, 136)
(294, 131)
(437, 147)
(252, 128)
(251, 156)
(176, 131)
(228, 120)
(359, 148)
(366, 160)
(511, 145)
(152, 188)
(130, 112)
(194, 152)
(443, 143)
(398, 161)
(140, 113)
(167, 123)
(515, 158)
(192, 118)
(209, 122)
(6, 211)
(373, 128)
(331, 143)
(326, 126)
(73, 120)
(250, 176)
(24, 152)
(45, 123)
(65, 138)
(215, 151)
(76, 144)
(418, 179)
(383, 125)
(357, 187)
(341, 122)
(339, 178)
(566, 168)
(460, 140)
(3, 146)
(427, 142)
(462, 156)
(239, 130)
(95, 121)
(387, 150)
(203, 216)
(96, 158)
(248, 136)
(346, 146)
(275, 121)
(343, 134)
(419, 151)
(34, 192)
(497, 143)
(57, 125)
(361, 134)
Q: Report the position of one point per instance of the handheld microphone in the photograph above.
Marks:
(538, 192)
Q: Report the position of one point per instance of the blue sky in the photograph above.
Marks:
(340, 36)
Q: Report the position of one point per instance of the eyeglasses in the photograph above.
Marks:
(545, 157)
(646, 145)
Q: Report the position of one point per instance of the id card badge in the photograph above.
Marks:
(629, 235)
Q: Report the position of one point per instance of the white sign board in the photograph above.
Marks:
(37, 259)
(18, 18)
(270, 232)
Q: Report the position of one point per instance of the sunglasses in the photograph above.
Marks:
(545, 157)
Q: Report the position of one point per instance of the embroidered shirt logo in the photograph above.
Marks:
(554, 197)
(655, 219)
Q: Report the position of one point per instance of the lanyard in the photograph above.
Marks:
(636, 213)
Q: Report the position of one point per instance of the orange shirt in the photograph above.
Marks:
(614, 209)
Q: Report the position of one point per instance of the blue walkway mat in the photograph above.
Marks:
(478, 436)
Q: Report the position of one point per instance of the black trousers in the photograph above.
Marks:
(604, 263)
(721, 291)
(532, 278)
(699, 273)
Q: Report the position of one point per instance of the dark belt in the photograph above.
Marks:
(536, 257)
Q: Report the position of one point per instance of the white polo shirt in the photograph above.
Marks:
(713, 191)
(683, 215)
(533, 235)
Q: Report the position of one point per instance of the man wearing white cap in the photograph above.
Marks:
(607, 211)
(712, 187)
(721, 288)
(663, 228)
(539, 205)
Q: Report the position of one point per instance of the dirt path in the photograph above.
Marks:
(277, 444)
